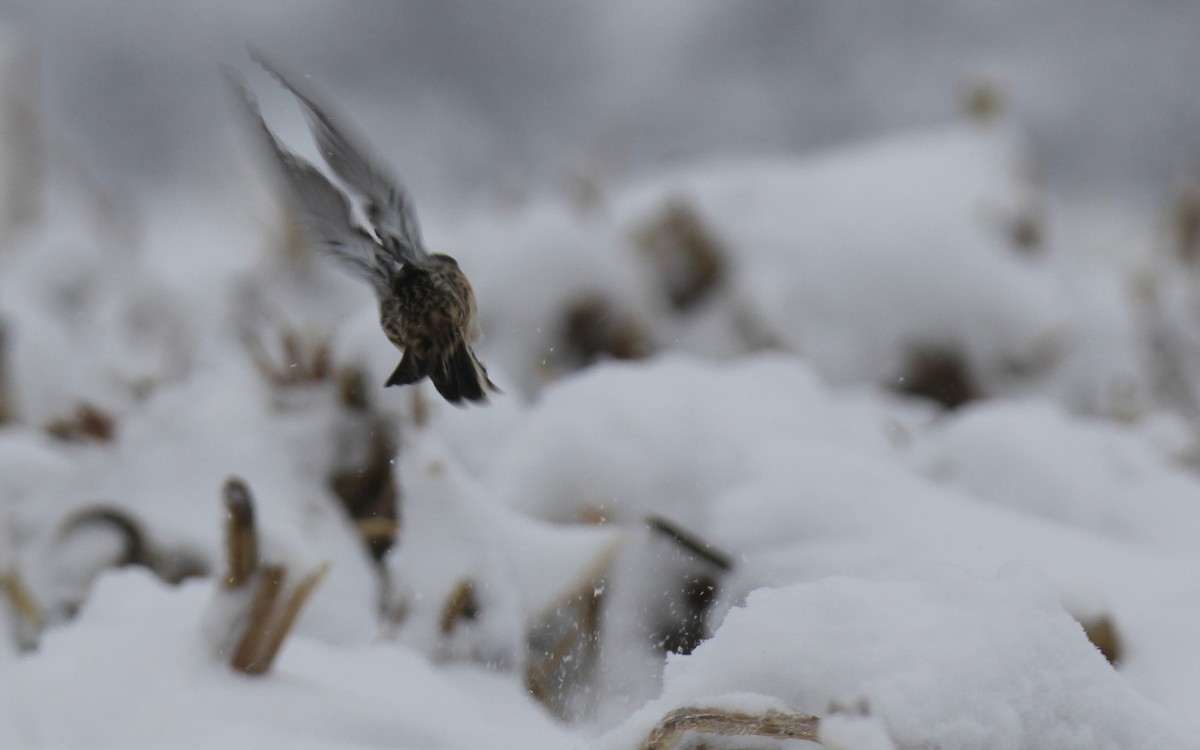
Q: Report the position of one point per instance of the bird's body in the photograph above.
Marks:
(430, 315)
(427, 309)
(426, 305)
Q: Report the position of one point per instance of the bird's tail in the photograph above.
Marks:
(458, 376)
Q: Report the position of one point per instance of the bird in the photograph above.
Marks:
(426, 304)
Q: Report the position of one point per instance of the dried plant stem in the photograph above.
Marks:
(241, 538)
(269, 615)
(542, 668)
(14, 588)
(459, 606)
(774, 724)
(285, 616)
(690, 542)
(137, 549)
(373, 529)
(563, 641)
(1102, 632)
(246, 657)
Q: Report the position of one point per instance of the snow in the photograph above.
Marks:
(150, 683)
(947, 661)
(913, 575)
(1099, 477)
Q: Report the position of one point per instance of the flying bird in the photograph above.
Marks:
(426, 304)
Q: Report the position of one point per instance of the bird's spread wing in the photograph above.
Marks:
(388, 205)
(324, 209)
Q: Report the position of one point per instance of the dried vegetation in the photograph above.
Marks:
(275, 602)
(684, 253)
(716, 722)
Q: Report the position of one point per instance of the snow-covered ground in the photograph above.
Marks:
(724, 423)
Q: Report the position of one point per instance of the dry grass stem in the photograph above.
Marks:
(774, 724)
(564, 641)
(685, 253)
(87, 423)
(367, 489)
(241, 538)
(377, 530)
(247, 656)
(551, 672)
(693, 544)
(270, 615)
(284, 617)
(460, 605)
(940, 373)
(136, 550)
(21, 598)
(170, 565)
(1102, 632)
(352, 389)
(593, 328)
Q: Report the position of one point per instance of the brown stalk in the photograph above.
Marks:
(241, 538)
(569, 627)
(14, 588)
(247, 657)
(584, 637)
(774, 724)
(284, 618)
(269, 616)
(690, 542)
(460, 605)
(377, 529)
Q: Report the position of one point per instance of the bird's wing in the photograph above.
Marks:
(323, 208)
(388, 206)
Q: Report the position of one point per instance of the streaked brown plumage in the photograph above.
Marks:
(430, 315)
(426, 305)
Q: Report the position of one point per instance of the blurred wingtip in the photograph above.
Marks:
(275, 71)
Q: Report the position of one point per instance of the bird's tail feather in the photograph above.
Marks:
(410, 370)
(457, 377)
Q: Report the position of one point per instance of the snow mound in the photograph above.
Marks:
(949, 661)
(135, 654)
(1088, 473)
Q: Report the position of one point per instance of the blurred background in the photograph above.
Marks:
(466, 95)
(908, 285)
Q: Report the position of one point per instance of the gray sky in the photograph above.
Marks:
(458, 92)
